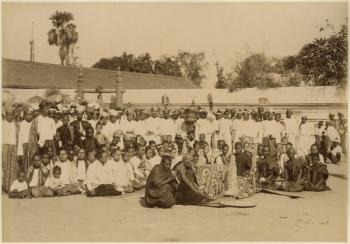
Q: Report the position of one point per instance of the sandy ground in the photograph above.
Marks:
(315, 217)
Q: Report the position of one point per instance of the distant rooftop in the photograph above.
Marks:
(26, 75)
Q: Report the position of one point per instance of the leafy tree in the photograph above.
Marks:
(184, 64)
(167, 65)
(143, 64)
(193, 66)
(253, 71)
(63, 34)
(322, 62)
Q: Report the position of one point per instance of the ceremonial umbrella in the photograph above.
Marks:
(59, 98)
(35, 100)
(8, 97)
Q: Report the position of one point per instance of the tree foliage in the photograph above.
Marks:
(184, 64)
(193, 66)
(254, 71)
(63, 34)
(322, 62)
(167, 65)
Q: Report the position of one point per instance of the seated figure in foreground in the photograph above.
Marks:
(161, 185)
(317, 173)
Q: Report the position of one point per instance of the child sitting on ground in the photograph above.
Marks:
(19, 188)
(56, 184)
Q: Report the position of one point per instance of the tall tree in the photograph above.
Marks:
(63, 34)
(193, 66)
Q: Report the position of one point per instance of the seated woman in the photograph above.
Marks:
(188, 191)
(98, 180)
(317, 173)
(294, 173)
(161, 185)
(267, 170)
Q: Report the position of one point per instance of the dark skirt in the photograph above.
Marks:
(162, 197)
(105, 190)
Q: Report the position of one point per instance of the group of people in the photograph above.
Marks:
(57, 150)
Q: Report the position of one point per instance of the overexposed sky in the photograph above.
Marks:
(231, 29)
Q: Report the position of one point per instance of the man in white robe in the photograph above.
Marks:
(290, 127)
(203, 126)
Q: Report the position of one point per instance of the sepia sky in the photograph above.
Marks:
(232, 29)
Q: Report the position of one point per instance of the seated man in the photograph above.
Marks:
(188, 191)
(98, 181)
(317, 173)
(267, 170)
(295, 172)
(335, 152)
(161, 185)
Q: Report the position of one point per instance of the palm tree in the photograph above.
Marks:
(63, 34)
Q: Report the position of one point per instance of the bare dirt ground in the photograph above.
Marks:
(315, 217)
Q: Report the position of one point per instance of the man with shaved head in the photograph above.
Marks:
(188, 191)
(294, 172)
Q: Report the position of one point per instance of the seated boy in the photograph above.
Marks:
(56, 184)
(36, 178)
(19, 188)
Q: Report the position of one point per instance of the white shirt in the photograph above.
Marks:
(19, 186)
(135, 162)
(333, 134)
(97, 174)
(46, 129)
(224, 128)
(153, 125)
(307, 129)
(8, 133)
(167, 127)
(178, 123)
(269, 128)
(140, 128)
(290, 126)
(66, 172)
(128, 126)
(109, 129)
(119, 172)
(81, 170)
(52, 182)
(35, 178)
(247, 128)
(203, 126)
